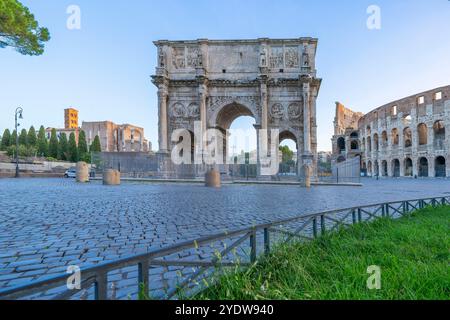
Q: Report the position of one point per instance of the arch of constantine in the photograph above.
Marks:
(407, 137)
(213, 82)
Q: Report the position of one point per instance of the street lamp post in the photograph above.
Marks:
(19, 111)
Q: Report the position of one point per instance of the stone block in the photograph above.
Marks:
(212, 178)
(82, 172)
(111, 177)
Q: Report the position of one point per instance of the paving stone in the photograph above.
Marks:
(137, 218)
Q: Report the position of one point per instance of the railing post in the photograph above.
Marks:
(266, 241)
(315, 227)
(253, 246)
(387, 210)
(354, 216)
(322, 224)
(383, 208)
(101, 286)
(359, 215)
(443, 202)
(143, 281)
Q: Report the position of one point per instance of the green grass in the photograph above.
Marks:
(412, 252)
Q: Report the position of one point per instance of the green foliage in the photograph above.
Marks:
(24, 151)
(63, 147)
(42, 144)
(20, 30)
(412, 253)
(95, 146)
(6, 138)
(12, 141)
(31, 138)
(23, 137)
(73, 150)
(287, 154)
(82, 145)
(53, 145)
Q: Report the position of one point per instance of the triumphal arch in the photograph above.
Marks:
(213, 82)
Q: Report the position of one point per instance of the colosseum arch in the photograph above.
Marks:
(408, 167)
(407, 137)
(341, 144)
(384, 139)
(395, 137)
(422, 131)
(423, 167)
(396, 168)
(384, 168)
(439, 167)
(369, 144)
(369, 168)
(439, 134)
(354, 145)
(376, 145)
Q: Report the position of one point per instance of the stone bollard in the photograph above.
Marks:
(82, 172)
(111, 177)
(307, 172)
(212, 178)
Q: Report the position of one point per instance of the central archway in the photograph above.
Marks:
(288, 162)
(237, 123)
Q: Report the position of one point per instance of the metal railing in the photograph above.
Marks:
(202, 256)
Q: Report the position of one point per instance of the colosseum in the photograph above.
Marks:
(404, 138)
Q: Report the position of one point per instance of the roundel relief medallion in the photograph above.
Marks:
(277, 111)
(178, 110)
(294, 111)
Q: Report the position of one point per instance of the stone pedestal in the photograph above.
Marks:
(82, 172)
(111, 177)
(212, 178)
(307, 178)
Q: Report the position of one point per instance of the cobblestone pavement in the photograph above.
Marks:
(48, 224)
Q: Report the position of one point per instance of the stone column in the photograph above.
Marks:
(307, 154)
(306, 120)
(430, 132)
(202, 95)
(402, 165)
(258, 149)
(415, 166)
(264, 119)
(162, 108)
(264, 103)
(390, 170)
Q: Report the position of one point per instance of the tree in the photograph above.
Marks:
(63, 147)
(5, 140)
(12, 140)
(20, 30)
(82, 145)
(53, 145)
(42, 144)
(73, 150)
(31, 138)
(287, 154)
(96, 146)
(23, 137)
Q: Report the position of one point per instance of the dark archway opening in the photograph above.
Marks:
(423, 167)
(439, 167)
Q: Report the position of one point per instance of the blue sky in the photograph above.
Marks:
(104, 69)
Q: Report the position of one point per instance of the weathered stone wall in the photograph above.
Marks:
(116, 138)
(407, 137)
